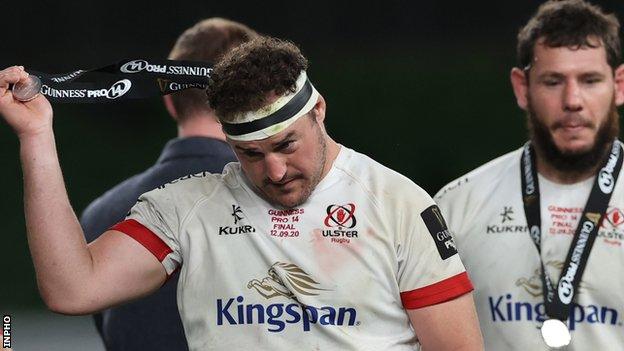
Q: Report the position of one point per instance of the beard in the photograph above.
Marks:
(315, 178)
(309, 183)
(573, 162)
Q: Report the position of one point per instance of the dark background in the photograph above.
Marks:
(421, 87)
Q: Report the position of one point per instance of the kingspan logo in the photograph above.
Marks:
(506, 308)
(285, 280)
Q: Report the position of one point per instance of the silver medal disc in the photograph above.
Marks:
(28, 90)
(555, 334)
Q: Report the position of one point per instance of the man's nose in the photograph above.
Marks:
(275, 167)
(572, 97)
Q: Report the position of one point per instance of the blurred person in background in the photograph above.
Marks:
(526, 222)
(153, 322)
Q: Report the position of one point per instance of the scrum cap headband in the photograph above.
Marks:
(276, 117)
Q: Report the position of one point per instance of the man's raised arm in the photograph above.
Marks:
(73, 277)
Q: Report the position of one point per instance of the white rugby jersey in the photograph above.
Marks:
(484, 210)
(335, 273)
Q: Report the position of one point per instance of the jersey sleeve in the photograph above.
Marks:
(154, 222)
(430, 270)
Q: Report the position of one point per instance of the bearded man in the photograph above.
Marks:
(526, 222)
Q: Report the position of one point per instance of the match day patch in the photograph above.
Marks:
(439, 231)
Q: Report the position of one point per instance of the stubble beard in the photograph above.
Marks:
(573, 162)
(315, 179)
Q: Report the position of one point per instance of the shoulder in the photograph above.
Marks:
(386, 186)
(484, 178)
(188, 190)
(173, 205)
(465, 199)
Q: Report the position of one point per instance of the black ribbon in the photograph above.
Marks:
(126, 79)
(558, 300)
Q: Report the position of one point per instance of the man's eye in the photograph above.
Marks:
(592, 80)
(551, 82)
(286, 146)
(250, 153)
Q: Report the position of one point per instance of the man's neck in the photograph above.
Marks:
(555, 175)
(205, 126)
(332, 153)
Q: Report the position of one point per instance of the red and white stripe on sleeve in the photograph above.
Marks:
(144, 236)
(436, 293)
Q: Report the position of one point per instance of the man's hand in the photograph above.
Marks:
(73, 278)
(26, 118)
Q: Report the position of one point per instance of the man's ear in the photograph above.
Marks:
(169, 106)
(619, 85)
(520, 85)
(319, 110)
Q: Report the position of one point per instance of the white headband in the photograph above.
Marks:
(275, 117)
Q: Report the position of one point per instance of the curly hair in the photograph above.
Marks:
(247, 75)
(570, 23)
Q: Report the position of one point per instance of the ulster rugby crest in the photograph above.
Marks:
(341, 219)
(612, 228)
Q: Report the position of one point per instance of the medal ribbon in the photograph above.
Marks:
(126, 79)
(558, 300)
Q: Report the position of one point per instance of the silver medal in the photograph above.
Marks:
(28, 90)
(555, 334)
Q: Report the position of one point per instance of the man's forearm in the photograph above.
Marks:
(61, 258)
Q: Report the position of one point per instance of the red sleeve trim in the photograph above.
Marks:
(145, 237)
(439, 292)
